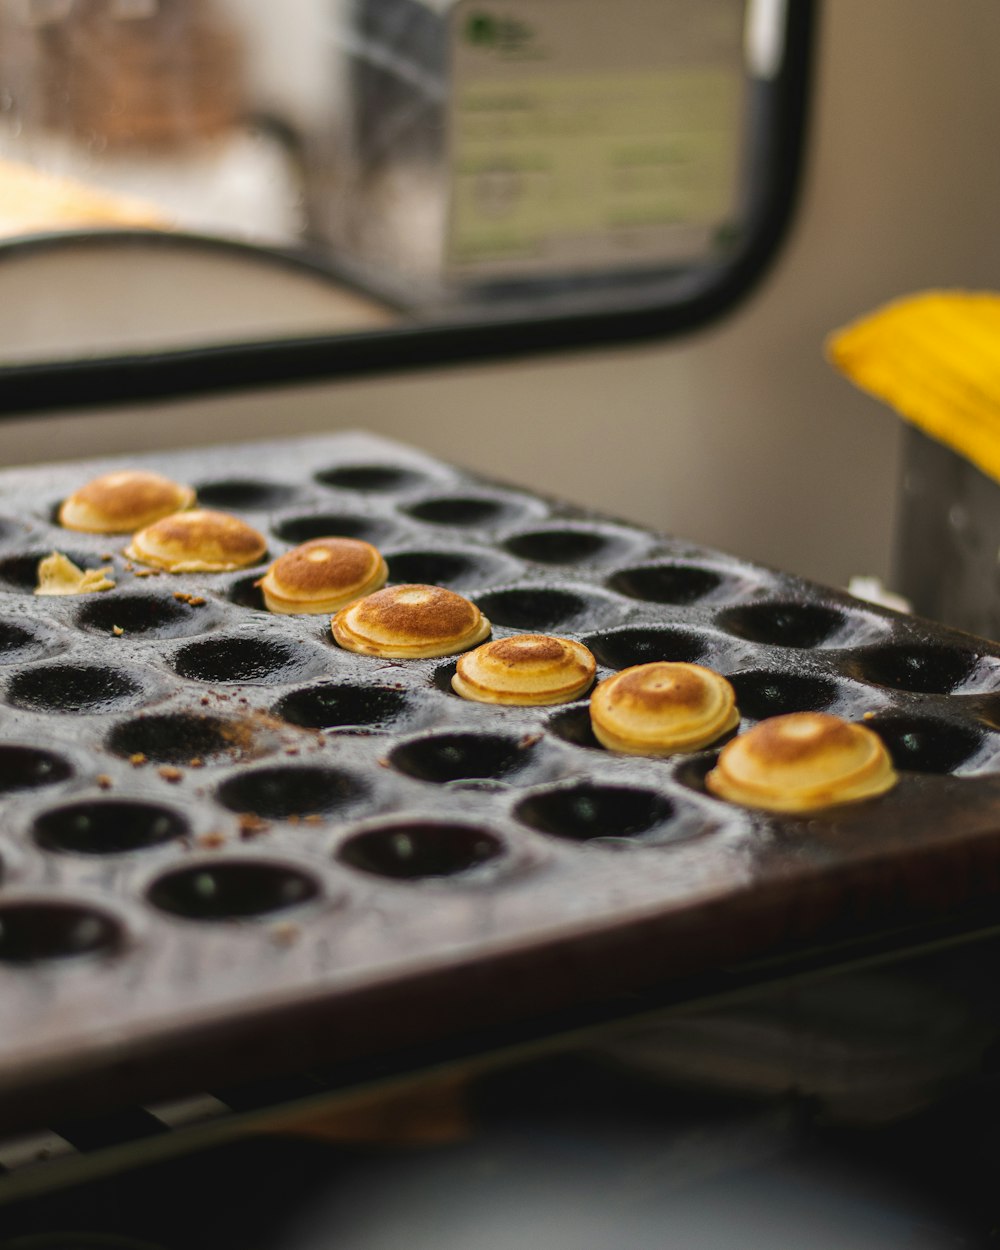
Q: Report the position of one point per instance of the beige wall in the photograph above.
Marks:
(740, 436)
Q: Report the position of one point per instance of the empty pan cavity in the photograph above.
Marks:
(573, 725)
(421, 850)
(676, 584)
(925, 744)
(533, 608)
(241, 658)
(303, 529)
(246, 593)
(443, 758)
(108, 827)
(923, 668)
(28, 768)
(463, 510)
(588, 811)
(335, 706)
(765, 693)
(21, 572)
(378, 478)
(35, 931)
(282, 792)
(18, 643)
(176, 738)
(785, 624)
(149, 616)
(232, 890)
(92, 688)
(239, 493)
(560, 546)
(621, 648)
(440, 568)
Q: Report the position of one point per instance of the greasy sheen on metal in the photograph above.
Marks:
(230, 846)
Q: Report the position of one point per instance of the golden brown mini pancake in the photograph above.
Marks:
(123, 502)
(528, 670)
(58, 575)
(662, 709)
(323, 575)
(197, 542)
(801, 762)
(410, 622)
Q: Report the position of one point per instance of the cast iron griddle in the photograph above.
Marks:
(229, 847)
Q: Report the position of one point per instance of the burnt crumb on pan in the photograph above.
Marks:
(251, 825)
(138, 759)
(104, 782)
(171, 774)
(197, 762)
(117, 630)
(130, 568)
(194, 601)
(210, 841)
(106, 555)
(284, 934)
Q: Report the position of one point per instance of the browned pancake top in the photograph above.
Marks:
(527, 649)
(657, 686)
(802, 738)
(194, 532)
(131, 493)
(325, 564)
(414, 612)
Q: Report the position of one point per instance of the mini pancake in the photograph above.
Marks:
(528, 670)
(802, 762)
(197, 542)
(410, 622)
(662, 709)
(123, 502)
(323, 575)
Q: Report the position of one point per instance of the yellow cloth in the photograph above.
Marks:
(935, 358)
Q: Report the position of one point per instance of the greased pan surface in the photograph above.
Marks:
(230, 847)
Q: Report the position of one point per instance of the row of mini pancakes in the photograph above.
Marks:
(790, 763)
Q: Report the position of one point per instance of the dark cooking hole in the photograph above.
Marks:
(411, 852)
(15, 641)
(443, 675)
(107, 827)
(244, 493)
(21, 572)
(588, 811)
(666, 583)
(458, 757)
(332, 706)
(233, 890)
(763, 694)
(557, 546)
(277, 793)
(922, 744)
(174, 738)
(638, 645)
(140, 614)
(531, 609)
(573, 725)
(693, 771)
(458, 510)
(924, 669)
(374, 477)
(246, 593)
(303, 529)
(72, 688)
(432, 568)
(34, 931)
(783, 624)
(26, 768)
(236, 659)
